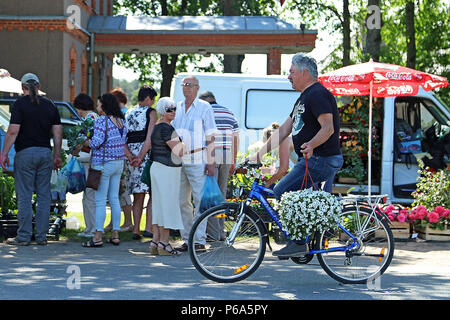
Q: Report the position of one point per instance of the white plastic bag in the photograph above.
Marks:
(72, 223)
(58, 185)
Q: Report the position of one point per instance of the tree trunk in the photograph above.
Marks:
(373, 25)
(410, 35)
(231, 63)
(168, 71)
(346, 34)
(168, 67)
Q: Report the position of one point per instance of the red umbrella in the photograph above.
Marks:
(378, 80)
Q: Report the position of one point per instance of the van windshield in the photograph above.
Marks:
(442, 102)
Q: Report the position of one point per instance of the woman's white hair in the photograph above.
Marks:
(163, 103)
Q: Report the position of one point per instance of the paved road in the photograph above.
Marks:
(128, 271)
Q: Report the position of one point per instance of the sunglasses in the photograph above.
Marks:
(171, 109)
(188, 84)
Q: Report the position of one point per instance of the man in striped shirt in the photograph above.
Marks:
(226, 144)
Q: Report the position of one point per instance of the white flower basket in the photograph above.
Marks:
(306, 211)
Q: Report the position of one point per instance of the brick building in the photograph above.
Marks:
(70, 44)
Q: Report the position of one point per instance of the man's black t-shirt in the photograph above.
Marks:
(313, 102)
(35, 121)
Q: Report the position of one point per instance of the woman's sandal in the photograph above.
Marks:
(153, 249)
(113, 241)
(164, 252)
(92, 244)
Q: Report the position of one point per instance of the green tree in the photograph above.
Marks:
(154, 68)
(431, 33)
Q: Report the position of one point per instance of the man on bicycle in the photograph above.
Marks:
(314, 124)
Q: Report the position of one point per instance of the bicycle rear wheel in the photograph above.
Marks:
(231, 258)
(371, 255)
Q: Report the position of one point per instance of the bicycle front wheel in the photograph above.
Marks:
(362, 260)
(240, 249)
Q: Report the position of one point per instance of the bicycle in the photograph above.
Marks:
(358, 251)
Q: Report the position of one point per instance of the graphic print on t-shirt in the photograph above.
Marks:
(298, 123)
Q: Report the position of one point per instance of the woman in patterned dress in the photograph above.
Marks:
(140, 121)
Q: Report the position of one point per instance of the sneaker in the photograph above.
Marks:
(292, 249)
(41, 242)
(85, 235)
(200, 247)
(17, 242)
(147, 234)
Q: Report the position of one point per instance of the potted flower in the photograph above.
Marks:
(431, 208)
(8, 206)
(306, 211)
(8, 200)
(431, 224)
(77, 135)
(354, 140)
(400, 220)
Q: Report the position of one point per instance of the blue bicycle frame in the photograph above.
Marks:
(257, 193)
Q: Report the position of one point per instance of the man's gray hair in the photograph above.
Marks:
(302, 61)
(163, 104)
(206, 95)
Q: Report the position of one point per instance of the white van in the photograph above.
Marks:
(256, 101)
(259, 101)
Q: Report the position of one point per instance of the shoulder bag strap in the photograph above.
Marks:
(104, 142)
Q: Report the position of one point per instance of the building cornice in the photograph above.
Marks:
(44, 23)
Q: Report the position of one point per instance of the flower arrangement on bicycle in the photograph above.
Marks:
(306, 211)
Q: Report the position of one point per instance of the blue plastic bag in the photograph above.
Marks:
(76, 178)
(212, 196)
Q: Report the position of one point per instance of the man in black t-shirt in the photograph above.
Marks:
(33, 121)
(314, 125)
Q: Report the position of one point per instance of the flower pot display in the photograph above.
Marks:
(431, 224)
(436, 234)
(400, 230)
(348, 180)
(306, 211)
(400, 221)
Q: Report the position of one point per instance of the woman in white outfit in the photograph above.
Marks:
(167, 149)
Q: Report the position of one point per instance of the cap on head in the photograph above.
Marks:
(29, 77)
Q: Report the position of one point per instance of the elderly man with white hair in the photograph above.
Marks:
(166, 153)
(196, 126)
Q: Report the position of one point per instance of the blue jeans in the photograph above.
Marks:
(108, 188)
(322, 169)
(32, 171)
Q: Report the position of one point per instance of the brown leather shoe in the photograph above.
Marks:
(199, 247)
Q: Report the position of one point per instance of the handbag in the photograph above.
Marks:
(94, 175)
(145, 177)
(93, 179)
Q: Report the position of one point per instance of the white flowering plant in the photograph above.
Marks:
(306, 211)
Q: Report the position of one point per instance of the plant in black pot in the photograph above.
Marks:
(8, 206)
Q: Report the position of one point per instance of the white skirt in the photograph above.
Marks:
(165, 190)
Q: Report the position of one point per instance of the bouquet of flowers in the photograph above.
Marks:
(437, 218)
(78, 134)
(395, 213)
(306, 211)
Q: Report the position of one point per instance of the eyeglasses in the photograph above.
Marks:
(187, 84)
(171, 109)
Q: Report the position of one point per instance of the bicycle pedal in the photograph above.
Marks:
(283, 258)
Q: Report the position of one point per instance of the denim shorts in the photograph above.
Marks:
(321, 169)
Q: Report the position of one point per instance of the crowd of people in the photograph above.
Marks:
(178, 143)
